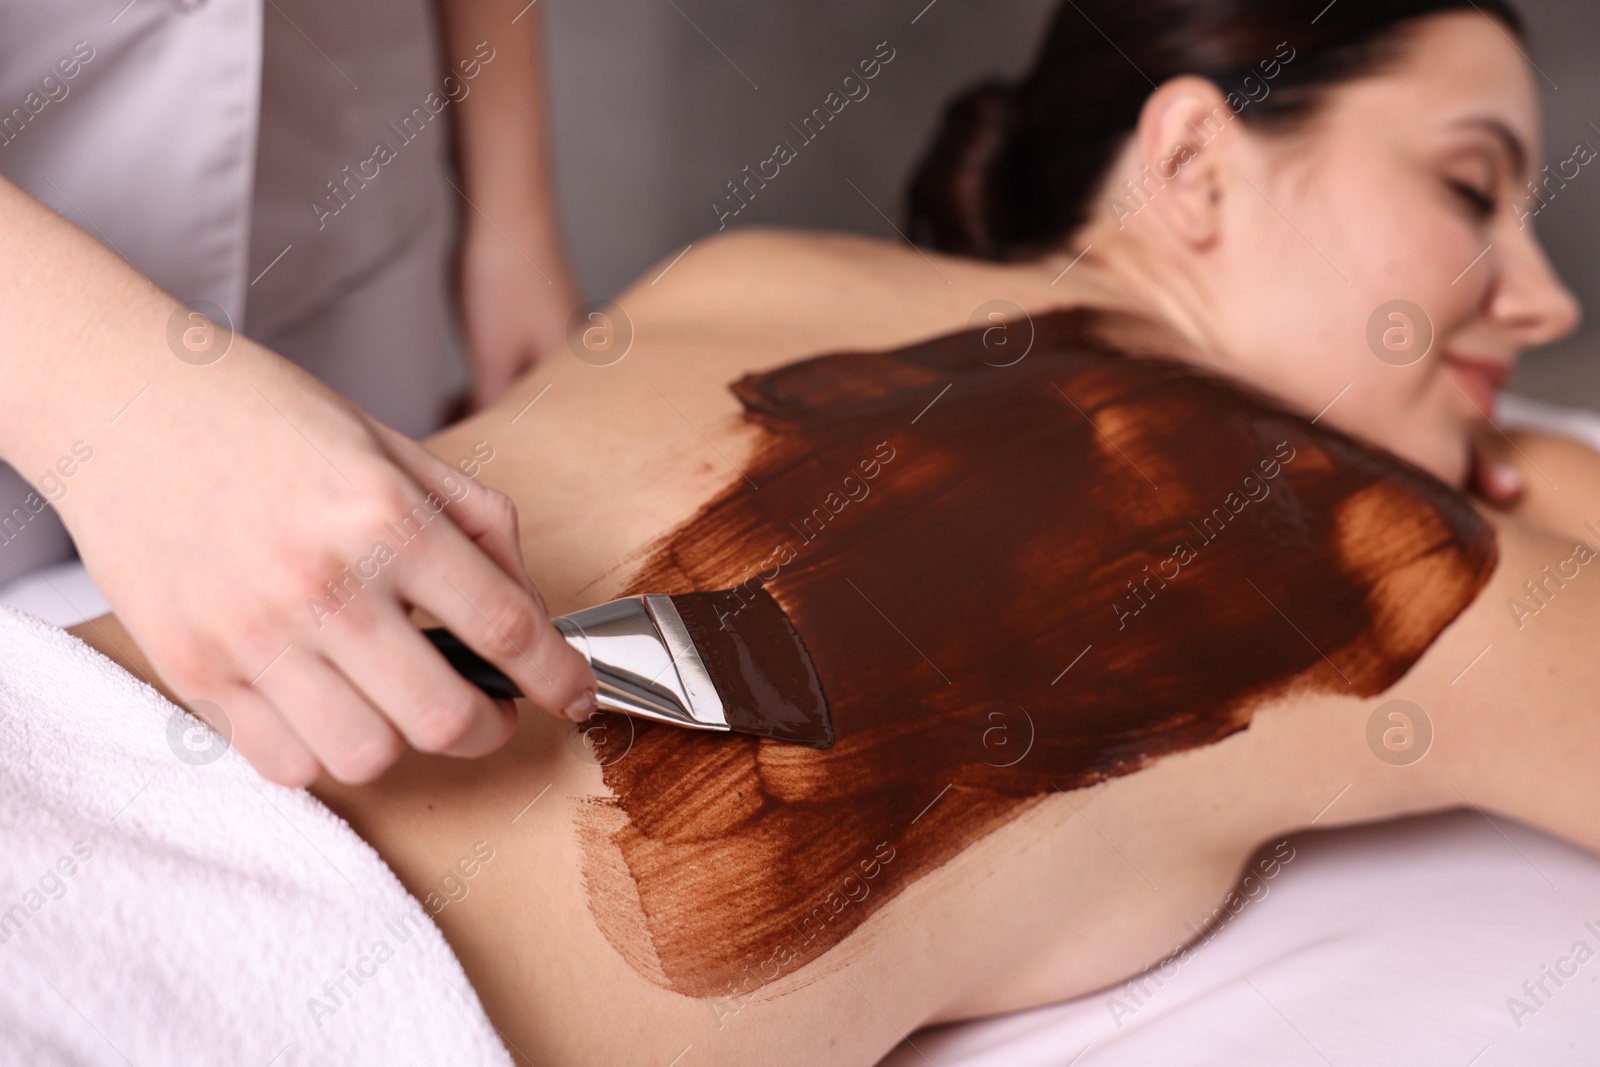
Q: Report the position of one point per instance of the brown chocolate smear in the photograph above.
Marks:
(759, 665)
(1059, 572)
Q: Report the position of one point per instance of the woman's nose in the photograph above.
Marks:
(1531, 301)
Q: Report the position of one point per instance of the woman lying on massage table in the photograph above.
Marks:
(1092, 627)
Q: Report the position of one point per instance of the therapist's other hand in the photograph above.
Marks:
(516, 297)
(264, 542)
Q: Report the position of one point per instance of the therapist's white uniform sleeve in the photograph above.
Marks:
(219, 146)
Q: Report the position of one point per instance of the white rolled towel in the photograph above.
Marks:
(162, 904)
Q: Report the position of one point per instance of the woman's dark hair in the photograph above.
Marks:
(1013, 166)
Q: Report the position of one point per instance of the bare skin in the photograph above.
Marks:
(241, 483)
(1084, 888)
(525, 924)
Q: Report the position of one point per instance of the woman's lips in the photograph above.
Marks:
(1481, 380)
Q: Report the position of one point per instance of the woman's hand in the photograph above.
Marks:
(264, 541)
(1546, 481)
(515, 304)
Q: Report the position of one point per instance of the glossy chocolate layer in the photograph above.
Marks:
(1058, 572)
(759, 665)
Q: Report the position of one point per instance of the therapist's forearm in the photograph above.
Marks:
(502, 125)
(228, 491)
(81, 333)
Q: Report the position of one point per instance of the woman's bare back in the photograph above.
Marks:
(1070, 891)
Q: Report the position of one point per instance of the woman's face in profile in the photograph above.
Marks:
(1387, 257)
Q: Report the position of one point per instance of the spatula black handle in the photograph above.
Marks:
(471, 666)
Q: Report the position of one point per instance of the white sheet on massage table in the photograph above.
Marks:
(1400, 943)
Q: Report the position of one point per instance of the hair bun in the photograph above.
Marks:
(1015, 169)
(958, 195)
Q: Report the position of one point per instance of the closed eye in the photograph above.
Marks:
(1481, 203)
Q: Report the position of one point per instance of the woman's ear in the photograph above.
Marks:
(1183, 153)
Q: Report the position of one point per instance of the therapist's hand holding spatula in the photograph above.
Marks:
(229, 497)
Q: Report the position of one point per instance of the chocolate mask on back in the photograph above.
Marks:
(1062, 570)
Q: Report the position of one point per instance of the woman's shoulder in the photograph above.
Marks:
(779, 248)
(816, 289)
(777, 267)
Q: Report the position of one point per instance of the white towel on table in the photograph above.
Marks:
(164, 905)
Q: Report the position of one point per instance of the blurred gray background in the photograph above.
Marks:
(658, 103)
(652, 118)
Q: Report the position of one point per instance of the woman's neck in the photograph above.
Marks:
(1106, 270)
